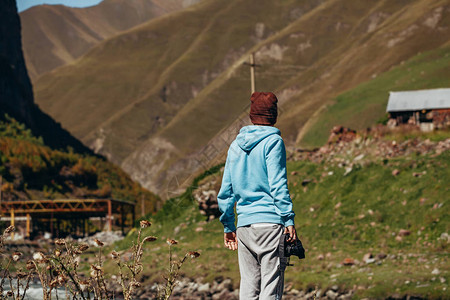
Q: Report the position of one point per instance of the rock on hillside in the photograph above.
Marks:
(347, 148)
(54, 35)
(170, 94)
(16, 95)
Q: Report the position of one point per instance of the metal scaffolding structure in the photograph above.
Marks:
(77, 210)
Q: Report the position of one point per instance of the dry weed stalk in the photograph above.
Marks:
(173, 271)
(128, 271)
(60, 269)
(22, 277)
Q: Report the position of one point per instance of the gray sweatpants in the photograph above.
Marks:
(259, 261)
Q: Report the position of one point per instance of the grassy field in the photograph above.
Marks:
(338, 217)
(367, 102)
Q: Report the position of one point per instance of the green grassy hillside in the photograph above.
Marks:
(400, 219)
(367, 102)
(164, 90)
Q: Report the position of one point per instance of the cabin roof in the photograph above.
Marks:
(419, 100)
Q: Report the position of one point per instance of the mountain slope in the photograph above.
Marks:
(418, 27)
(172, 107)
(165, 53)
(46, 161)
(335, 52)
(54, 35)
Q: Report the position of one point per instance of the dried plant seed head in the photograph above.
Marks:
(60, 242)
(99, 243)
(16, 256)
(115, 255)
(150, 239)
(83, 247)
(139, 268)
(57, 252)
(30, 265)
(171, 242)
(21, 274)
(96, 271)
(135, 283)
(94, 274)
(38, 256)
(62, 279)
(54, 283)
(9, 229)
(84, 284)
(145, 224)
(194, 254)
(96, 268)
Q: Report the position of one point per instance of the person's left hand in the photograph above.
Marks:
(230, 240)
(292, 233)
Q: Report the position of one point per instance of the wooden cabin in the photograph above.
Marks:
(428, 109)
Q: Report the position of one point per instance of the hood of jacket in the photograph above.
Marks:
(250, 136)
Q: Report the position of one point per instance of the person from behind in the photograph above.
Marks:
(255, 181)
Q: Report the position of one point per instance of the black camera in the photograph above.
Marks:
(294, 248)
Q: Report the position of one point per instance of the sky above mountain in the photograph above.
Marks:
(25, 4)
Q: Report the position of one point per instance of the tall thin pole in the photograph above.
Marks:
(122, 219)
(12, 222)
(252, 72)
(28, 226)
(1, 185)
(51, 224)
(109, 216)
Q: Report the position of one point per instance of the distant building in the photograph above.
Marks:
(428, 109)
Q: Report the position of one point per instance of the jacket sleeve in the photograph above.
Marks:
(226, 200)
(276, 171)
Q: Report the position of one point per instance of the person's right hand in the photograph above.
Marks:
(230, 240)
(292, 233)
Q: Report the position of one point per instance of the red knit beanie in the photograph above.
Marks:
(263, 109)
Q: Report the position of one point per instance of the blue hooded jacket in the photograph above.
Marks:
(255, 178)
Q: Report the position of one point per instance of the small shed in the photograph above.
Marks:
(428, 109)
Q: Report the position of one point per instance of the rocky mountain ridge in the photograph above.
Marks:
(172, 108)
(55, 35)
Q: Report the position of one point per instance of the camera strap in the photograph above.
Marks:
(284, 260)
